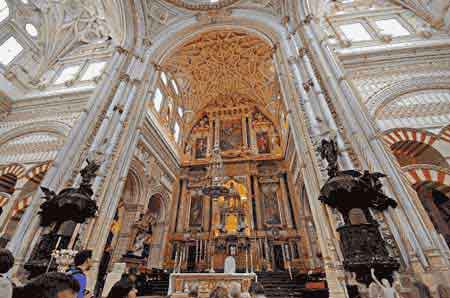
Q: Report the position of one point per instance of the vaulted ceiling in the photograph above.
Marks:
(221, 66)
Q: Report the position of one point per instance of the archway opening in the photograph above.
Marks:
(220, 91)
(436, 201)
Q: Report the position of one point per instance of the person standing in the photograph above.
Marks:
(126, 286)
(82, 264)
(49, 285)
(6, 263)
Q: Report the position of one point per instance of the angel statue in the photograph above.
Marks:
(387, 291)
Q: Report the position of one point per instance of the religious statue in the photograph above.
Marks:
(329, 152)
(141, 243)
(230, 262)
(387, 291)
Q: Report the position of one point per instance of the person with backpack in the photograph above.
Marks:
(81, 265)
(6, 263)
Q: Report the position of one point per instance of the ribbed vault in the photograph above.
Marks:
(220, 66)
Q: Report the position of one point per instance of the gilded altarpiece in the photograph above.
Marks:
(256, 220)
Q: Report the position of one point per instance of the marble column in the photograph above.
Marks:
(310, 167)
(71, 156)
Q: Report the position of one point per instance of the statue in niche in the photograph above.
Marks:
(386, 290)
(262, 142)
(230, 262)
(140, 247)
(201, 147)
(195, 219)
(271, 207)
(203, 123)
(231, 135)
(276, 143)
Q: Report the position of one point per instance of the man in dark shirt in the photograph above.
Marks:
(125, 287)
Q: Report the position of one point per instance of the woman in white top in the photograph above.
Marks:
(6, 263)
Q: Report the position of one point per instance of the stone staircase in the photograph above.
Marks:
(280, 285)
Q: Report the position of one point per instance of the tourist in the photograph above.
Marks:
(49, 285)
(6, 263)
(125, 287)
(82, 264)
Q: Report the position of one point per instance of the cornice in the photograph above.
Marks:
(405, 52)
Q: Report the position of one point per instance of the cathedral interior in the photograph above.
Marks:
(185, 131)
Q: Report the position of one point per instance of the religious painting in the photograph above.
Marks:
(271, 206)
(201, 147)
(231, 135)
(196, 218)
(262, 142)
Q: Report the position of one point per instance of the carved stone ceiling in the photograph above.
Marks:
(220, 66)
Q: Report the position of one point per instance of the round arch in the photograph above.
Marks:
(160, 194)
(15, 169)
(54, 127)
(420, 174)
(134, 180)
(263, 25)
(445, 134)
(388, 94)
(396, 135)
(36, 174)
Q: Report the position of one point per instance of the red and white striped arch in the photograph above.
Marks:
(37, 173)
(21, 205)
(421, 174)
(15, 169)
(4, 198)
(409, 134)
(445, 134)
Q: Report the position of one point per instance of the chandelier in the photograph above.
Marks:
(216, 175)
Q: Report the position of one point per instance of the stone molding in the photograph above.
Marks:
(202, 5)
(383, 97)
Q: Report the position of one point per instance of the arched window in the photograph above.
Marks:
(175, 87)
(164, 78)
(31, 30)
(4, 10)
(157, 100)
(176, 132)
